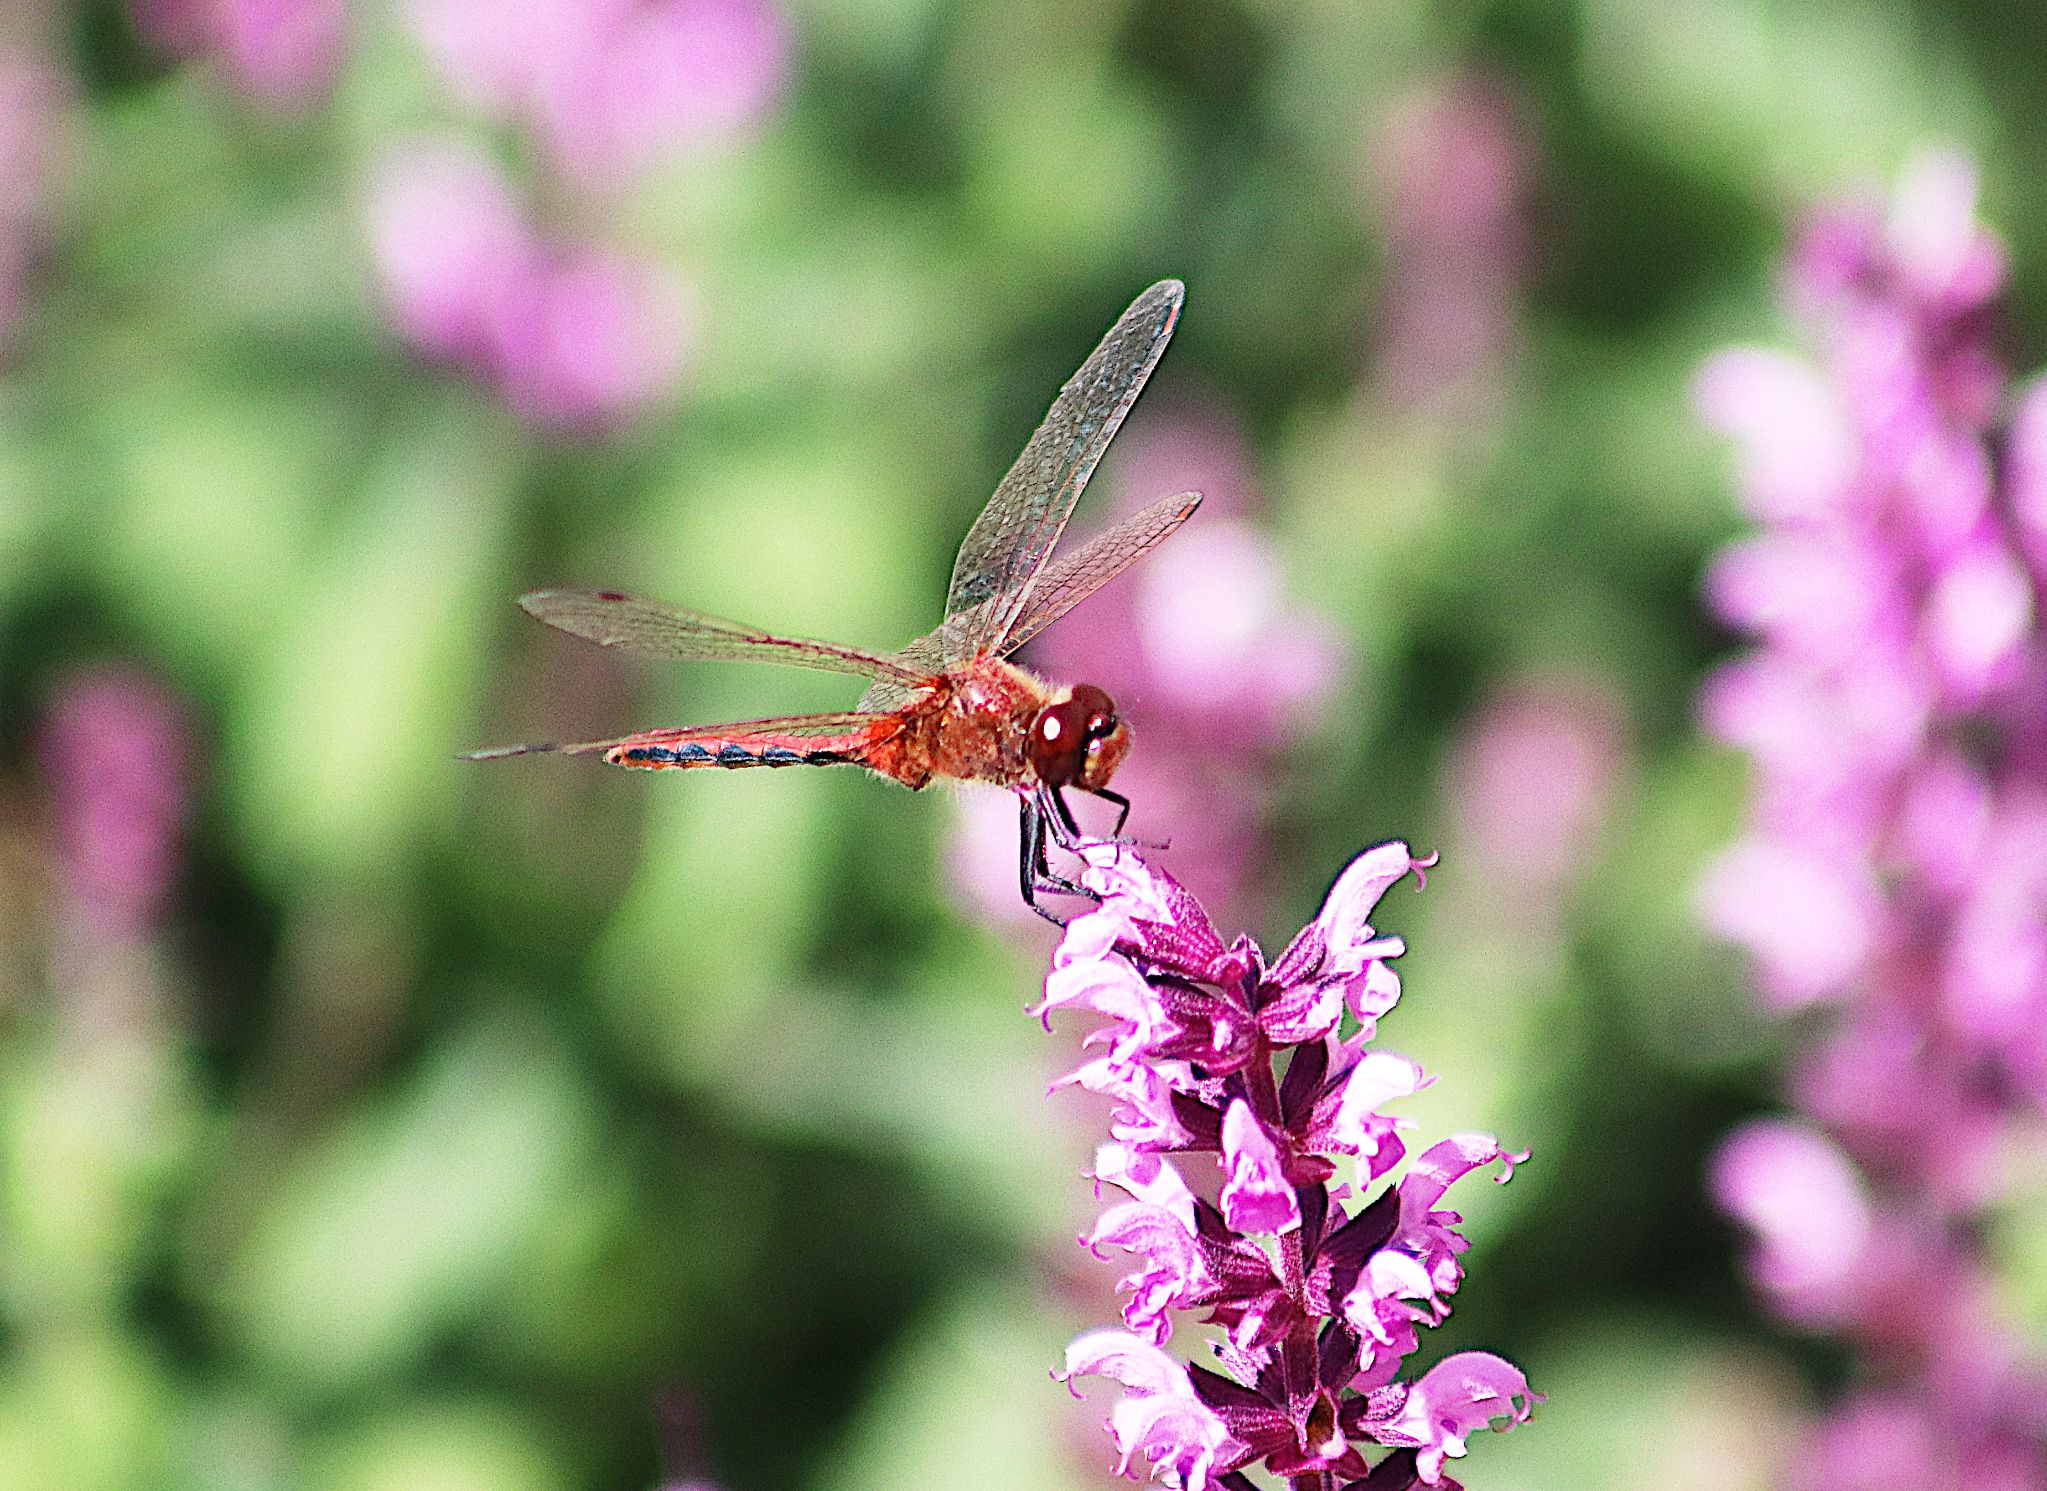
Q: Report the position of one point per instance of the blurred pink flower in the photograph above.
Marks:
(670, 75)
(1451, 165)
(1810, 923)
(1806, 1206)
(33, 108)
(576, 337)
(611, 86)
(283, 52)
(592, 339)
(1532, 778)
(1895, 862)
(452, 245)
(116, 752)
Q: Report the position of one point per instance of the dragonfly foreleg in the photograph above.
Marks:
(1122, 808)
(1035, 869)
(1058, 818)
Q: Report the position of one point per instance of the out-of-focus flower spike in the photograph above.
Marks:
(1893, 869)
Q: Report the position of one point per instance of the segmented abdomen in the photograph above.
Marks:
(654, 755)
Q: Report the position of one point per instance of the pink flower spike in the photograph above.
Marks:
(1241, 1066)
(1893, 869)
(1256, 1197)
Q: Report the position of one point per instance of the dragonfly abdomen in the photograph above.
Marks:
(733, 746)
(733, 753)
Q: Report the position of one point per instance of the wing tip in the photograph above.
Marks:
(499, 753)
(537, 602)
(1166, 298)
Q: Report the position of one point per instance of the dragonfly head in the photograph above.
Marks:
(1079, 740)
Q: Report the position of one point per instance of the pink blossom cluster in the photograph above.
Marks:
(285, 53)
(609, 87)
(1894, 868)
(573, 335)
(116, 754)
(1317, 1285)
(1451, 165)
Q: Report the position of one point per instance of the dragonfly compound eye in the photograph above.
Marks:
(1108, 738)
(1059, 742)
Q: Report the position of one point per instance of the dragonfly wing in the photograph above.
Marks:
(798, 730)
(631, 623)
(925, 658)
(1009, 542)
(1072, 578)
(1063, 584)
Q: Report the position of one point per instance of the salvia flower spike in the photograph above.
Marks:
(1314, 1265)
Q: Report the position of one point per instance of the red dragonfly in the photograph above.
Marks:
(950, 706)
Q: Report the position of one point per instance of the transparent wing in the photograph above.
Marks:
(1063, 584)
(924, 658)
(1008, 544)
(1072, 578)
(611, 618)
(780, 727)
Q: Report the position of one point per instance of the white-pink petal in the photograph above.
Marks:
(1109, 986)
(1378, 1078)
(1257, 1196)
(1459, 1395)
(1345, 917)
(1149, 1177)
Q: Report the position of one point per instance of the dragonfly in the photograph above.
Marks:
(951, 706)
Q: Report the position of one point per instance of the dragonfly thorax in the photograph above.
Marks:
(1078, 740)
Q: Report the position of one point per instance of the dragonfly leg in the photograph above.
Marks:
(1122, 808)
(1036, 869)
(1058, 818)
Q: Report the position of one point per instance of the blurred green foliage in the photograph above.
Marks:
(477, 1107)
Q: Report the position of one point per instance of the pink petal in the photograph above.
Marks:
(1800, 1196)
(1257, 1196)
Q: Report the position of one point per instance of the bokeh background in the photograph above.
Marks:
(373, 1121)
